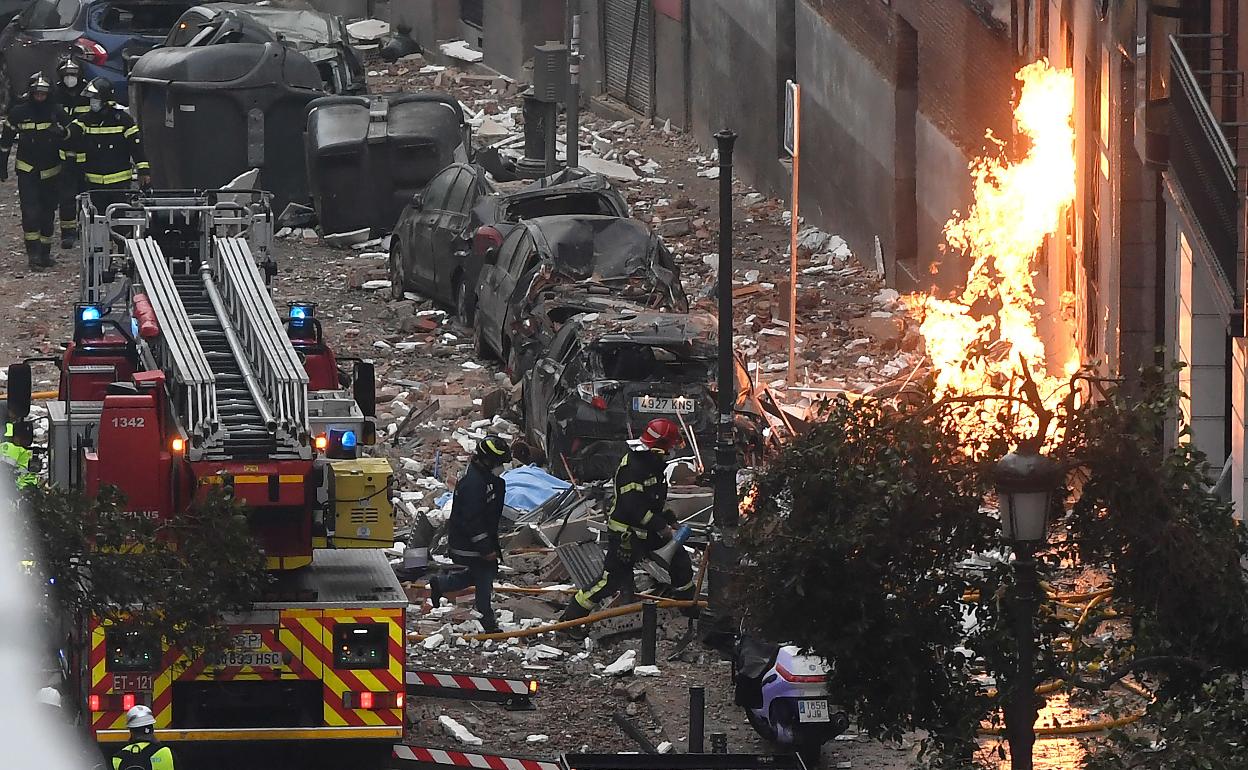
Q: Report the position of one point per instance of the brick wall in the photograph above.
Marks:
(966, 66)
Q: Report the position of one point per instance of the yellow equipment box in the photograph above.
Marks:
(363, 516)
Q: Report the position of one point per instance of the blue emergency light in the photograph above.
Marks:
(300, 312)
(88, 313)
(87, 321)
(343, 444)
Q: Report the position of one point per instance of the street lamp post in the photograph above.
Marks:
(1025, 482)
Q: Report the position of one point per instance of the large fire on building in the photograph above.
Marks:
(979, 340)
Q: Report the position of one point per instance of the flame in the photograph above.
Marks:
(746, 506)
(975, 350)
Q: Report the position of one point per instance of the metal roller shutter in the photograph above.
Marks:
(628, 36)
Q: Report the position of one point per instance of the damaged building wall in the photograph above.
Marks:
(513, 27)
(737, 48)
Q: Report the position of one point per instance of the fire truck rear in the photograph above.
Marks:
(183, 375)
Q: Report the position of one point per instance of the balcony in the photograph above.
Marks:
(1204, 163)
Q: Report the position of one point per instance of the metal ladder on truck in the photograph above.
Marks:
(216, 315)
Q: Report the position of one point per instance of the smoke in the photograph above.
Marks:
(33, 735)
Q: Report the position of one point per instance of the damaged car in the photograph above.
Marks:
(443, 234)
(608, 254)
(606, 375)
(319, 37)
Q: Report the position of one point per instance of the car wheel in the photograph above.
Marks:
(398, 276)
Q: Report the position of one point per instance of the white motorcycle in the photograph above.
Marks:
(785, 696)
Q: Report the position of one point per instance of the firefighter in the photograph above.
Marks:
(106, 144)
(15, 454)
(143, 752)
(68, 94)
(638, 523)
(37, 125)
(472, 531)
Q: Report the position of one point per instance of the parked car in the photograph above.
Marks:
(321, 37)
(104, 35)
(616, 254)
(606, 375)
(442, 236)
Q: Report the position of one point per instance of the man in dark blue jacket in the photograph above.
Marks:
(472, 531)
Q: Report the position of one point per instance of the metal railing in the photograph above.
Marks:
(1204, 164)
(262, 336)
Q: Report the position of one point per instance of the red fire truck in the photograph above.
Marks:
(182, 374)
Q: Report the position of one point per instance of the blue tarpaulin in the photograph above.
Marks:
(527, 488)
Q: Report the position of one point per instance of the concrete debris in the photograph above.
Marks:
(346, 240)
(607, 168)
(458, 731)
(710, 173)
(622, 665)
(375, 285)
(538, 738)
(368, 30)
(646, 670)
(458, 49)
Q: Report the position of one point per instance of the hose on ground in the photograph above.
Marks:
(38, 395)
(614, 612)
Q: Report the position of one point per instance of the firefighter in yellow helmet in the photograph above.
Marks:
(15, 454)
(143, 752)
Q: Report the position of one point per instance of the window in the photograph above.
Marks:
(187, 28)
(508, 249)
(51, 14)
(440, 189)
(518, 263)
(461, 195)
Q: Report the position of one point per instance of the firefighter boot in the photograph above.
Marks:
(575, 611)
(45, 254)
(33, 261)
(69, 238)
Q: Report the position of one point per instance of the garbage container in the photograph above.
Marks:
(209, 114)
(367, 155)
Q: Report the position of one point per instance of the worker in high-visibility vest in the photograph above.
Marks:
(68, 94)
(16, 456)
(105, 143)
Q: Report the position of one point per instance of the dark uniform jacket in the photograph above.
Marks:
(39, 130)
(105, 143)
(75, 105)
(637, 516)
(475, 511)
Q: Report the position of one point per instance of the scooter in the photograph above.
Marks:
(785, 696)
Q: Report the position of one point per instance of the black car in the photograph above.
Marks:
(319, 37)
(443, 234)
(608, 254)
(105, 36)
(606, 375)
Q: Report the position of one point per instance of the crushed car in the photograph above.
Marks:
(443, 234)
(605, 375)
(319, 37)
(609, 254)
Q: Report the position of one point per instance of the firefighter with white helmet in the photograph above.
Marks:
(143, 752)
(36, 125)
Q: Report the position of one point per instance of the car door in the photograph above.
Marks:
(543, 377)
(521, 261)
(41, 35)
(449, 240)
(420, 238)
(490, 303)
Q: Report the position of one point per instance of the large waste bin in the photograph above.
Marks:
(209, 114)
(366, 156)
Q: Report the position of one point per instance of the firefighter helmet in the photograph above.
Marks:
(49, 696)
(99, 89)
(39, 84)
(661, 433)
(68, 67)
(139, 716)
(493, 450)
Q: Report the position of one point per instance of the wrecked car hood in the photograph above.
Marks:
(301, 26)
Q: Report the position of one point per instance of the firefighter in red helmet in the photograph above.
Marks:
(639, 522)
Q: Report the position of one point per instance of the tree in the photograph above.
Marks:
(868, 539)
(167, 581)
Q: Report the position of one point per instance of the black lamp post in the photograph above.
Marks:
(1025, 481)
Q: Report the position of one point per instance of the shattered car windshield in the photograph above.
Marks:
(567, 203)
(295, 25)
(603, 248)
(677, 363)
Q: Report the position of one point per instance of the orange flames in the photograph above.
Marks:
(976, 340)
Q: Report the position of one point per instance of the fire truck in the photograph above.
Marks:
(183, 375)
